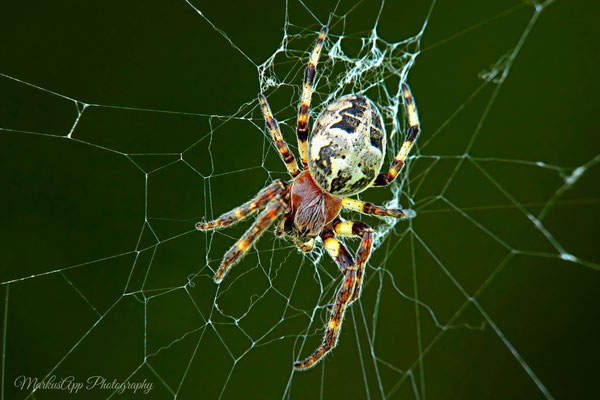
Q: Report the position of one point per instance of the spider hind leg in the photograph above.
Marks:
(307, 91)
(411, 136)
(284, 151)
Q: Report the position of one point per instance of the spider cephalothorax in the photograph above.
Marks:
(310, 209)
(343, 157)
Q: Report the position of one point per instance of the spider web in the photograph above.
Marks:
(121, 129)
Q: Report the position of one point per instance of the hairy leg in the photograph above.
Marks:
(411, 136)
(277, 188)
(307, 91)
(284, 151)
(365, 232)
(344, 260)
(367, 208)
(273, 210)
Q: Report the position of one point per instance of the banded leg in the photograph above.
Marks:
(307, 91)
(344, 260)
(367, 208)
(365, 232)
(284, 151)
(239, 250)
(411, 136)
(277, 188)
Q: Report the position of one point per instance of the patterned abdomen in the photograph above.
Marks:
(346, 146)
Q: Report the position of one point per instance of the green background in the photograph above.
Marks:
(103, 274)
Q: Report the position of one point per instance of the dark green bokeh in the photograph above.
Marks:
(73, 209)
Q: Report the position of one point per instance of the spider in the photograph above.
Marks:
(343, 157)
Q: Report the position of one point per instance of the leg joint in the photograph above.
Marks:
(361, 229)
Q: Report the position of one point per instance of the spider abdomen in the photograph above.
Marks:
(346, 146)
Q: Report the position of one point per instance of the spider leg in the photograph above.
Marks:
(344, 295)
(284, 151)
(277, 188)
(367, 208)
(241, 247)
(365, 232)
(307, 91)
(411, 136)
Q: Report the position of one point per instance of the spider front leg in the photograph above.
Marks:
(411, 136)
(273, 210)
(343, 298)
(367, 208)
(307, 91)
(365, 232)
(277, 188)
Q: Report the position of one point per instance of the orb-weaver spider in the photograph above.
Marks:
(343, 157)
